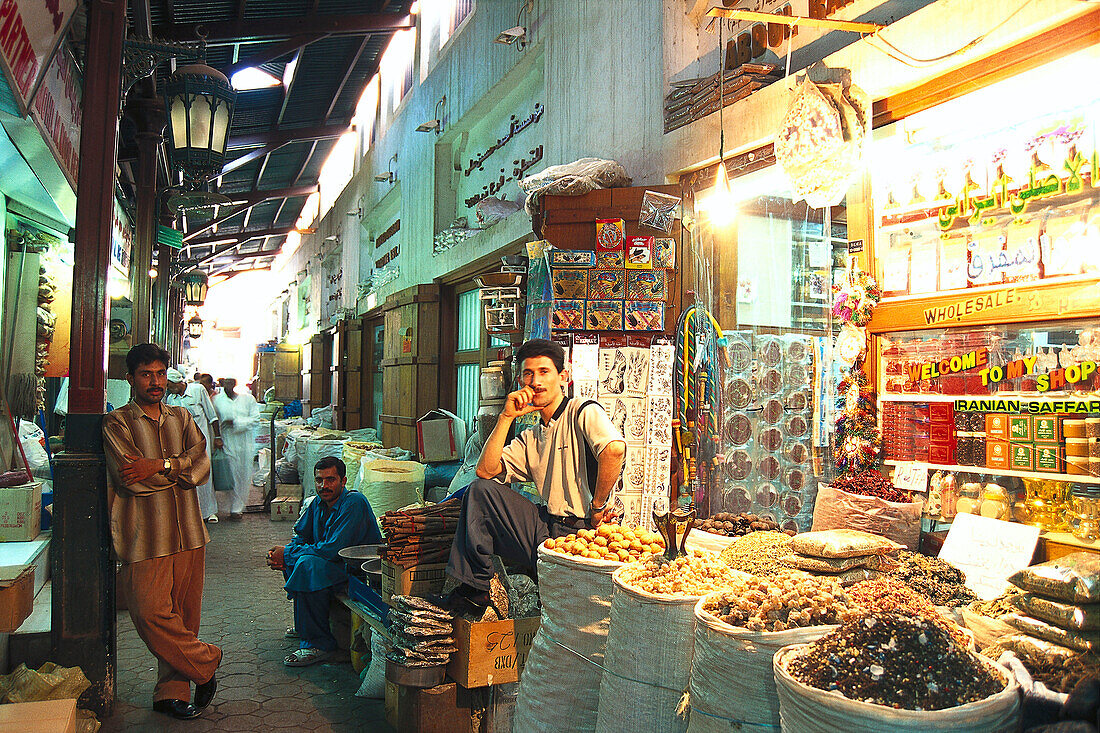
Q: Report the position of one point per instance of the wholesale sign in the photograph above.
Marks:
(29, 33)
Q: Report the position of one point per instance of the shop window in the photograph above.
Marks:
(376, 354)
(474, 348)
(439, 23)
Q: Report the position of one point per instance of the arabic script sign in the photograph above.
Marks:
(499, 153)
(29, 33)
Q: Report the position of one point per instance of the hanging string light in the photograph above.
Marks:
(719, 203)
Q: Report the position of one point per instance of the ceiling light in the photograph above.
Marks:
(252, 78)
(510, 36)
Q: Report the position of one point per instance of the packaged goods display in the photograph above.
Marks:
(1060, 669)
(925, 669)
(609, 542)
(787, 600)
(735, 525)
(838, 543)
(1074, 577)
(422, 632)
(1082, 641)
(758, 553)
(938, 580)
(687, 575)
(831, 564)
(870, 483)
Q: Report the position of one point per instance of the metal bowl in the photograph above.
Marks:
(361, 552)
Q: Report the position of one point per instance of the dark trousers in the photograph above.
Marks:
(497, 520)
(311, 617)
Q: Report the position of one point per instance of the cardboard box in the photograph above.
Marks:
(1049, 458)
(996, 426)
(942, 412)
(1020, 428)
(419, 580)
(292, 491)
(941, 432)
(492, 652)
(445, 708)
(1047, 429)
(440, 437)
(941, 452)
(1023, 456)
(997, 454)
(49, 716)
(20, 512)
(285, 509)
(16, 601)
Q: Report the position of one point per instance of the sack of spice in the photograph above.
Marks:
(1082, 641)
(1080, 616)
(836, 508)
(1074, 578)
(841, 543)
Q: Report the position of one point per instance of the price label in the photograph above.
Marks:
(911, 477)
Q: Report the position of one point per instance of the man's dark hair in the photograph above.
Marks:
(541, 347)
(146, 354)
(331, 462)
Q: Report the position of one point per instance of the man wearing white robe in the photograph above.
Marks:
(237, 414)
(193, 397)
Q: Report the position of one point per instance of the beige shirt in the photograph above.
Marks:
(159, 516)
(560, 457)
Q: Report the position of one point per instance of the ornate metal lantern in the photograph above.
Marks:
(194, 327)
(199, 101)
(194, 287)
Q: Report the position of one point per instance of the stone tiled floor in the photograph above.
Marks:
(245, 612)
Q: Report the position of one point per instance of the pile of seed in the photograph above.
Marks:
(937, 580)
(687, 575)
(1002, 605)
(888, 595)
(758, 553)
(735, 525)
(903, 662)
(791, 599)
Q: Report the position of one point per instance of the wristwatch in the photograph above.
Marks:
(167, 466)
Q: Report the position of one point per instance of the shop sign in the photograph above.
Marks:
(57, 112)
(1069, 406)
(961, 310)
(122, 240)
(510, 170)
(29, 33)
(950, 365)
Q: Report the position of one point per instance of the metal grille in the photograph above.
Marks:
(469, 321)
(468, 382)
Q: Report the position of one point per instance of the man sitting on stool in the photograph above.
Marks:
(574, 455)
(311, 564)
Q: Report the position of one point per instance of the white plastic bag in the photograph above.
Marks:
(810, 710)
(648, 661)
(723, 653)
(33, 439)
(390, 485)
(374, 677)
(573, 179)
(562, 664)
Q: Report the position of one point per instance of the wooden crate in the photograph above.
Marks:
(288, 388)
(491, 650)
(288, 359)
(399, 432)
(409, 390)
(411, 320)
(419, 580)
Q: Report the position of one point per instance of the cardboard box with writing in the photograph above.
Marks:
(285, 509)
(1020, 428)
(1047, 428)
(445, 708)
(997, 454)
(1049, 457)
(290, 491)
(419, 580)
(491, 652)
(440, 436)
(1022, 456)
(48, 716)
(20, 512)
(996, 425)
(16, 600)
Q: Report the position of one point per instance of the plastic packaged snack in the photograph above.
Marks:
(841, 543)
(1074, 577)
(659, 210)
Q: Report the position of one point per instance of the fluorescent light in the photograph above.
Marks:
(252, 78)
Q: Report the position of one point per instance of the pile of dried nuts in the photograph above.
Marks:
(735, 525)
(688, 575)
(871, 483)
(758, 552)
(938, 580)
(903, 662)
(609, 542)
(790, 599)
(888, 595)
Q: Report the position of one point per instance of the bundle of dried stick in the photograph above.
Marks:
(421, 535)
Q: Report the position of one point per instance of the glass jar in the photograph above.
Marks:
(969, 501)
(949, 495)
(995, 503)
(1084, 520)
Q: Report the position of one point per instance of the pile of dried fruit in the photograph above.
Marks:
(758, 552)
(735, 525)
(938, 580)
(888, 595)
(903, 662)
(871, 483)
(609, 542)
(688, 575)
(788, 600)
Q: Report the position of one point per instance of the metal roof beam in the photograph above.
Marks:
(250, 156)
(275, 51)
(349, 67)
(253, 199)
(287, 135)
(257, 29)
(241, 237)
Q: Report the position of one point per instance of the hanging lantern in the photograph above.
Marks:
(194, 287)
(199, 101)
(194, 327)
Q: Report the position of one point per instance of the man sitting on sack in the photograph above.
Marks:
(574, 456)
(311, 565)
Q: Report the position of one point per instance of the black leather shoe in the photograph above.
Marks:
(204, 693)
(176, 708)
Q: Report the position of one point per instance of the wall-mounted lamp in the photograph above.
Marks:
(512, 35)
(436, 123)
(390, 176)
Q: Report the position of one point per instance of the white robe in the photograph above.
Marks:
(240, 445)
(197, 402)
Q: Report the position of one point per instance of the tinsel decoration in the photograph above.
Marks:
(858, 442)
(855, 298)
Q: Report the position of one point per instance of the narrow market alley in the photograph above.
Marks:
(246, 613)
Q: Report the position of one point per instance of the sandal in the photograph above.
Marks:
(212, 519)
(306, 657)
